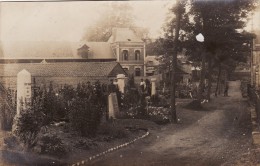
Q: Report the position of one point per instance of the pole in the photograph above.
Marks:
(174, 63)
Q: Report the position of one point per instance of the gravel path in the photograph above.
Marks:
(220, 136)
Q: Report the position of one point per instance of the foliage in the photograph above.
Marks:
(158, 101)
(159, 115)
(6, 117)
(7, 108)
(84, 144)
(131, 96)
(52, 145)
(221, 23)
(84, 117)
(28, 126)
(85, 113)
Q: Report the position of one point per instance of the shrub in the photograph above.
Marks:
(85, 144)
(159, 115)
(28, 126)
(52, 145)
(6, 117)
(11, 142)
(85, 116)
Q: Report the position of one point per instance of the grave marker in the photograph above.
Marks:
(24, 90)
(113, 108)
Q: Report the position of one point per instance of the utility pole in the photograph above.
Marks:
(174, 62)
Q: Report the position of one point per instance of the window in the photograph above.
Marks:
(137, 54)
(137, 72)
(125, 55)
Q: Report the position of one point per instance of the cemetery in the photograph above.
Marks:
(46, 120)
(136, 83)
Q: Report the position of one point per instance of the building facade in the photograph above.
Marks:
(129, 51)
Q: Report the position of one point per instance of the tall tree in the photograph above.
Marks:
(174, 31)
(218, 21)
(115, 14)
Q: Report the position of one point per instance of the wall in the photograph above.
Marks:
(10, 82)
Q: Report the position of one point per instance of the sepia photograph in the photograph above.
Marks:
(130, 83)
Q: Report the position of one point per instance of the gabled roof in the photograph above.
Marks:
(53, 50)
(75, 69)
(123, 35)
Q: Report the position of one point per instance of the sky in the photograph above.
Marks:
(67, 21)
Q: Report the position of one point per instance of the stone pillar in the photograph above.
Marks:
(24, 90)
(153, 86)
(121, 82)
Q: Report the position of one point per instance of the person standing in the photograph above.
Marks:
(142, 86)
(226, 89)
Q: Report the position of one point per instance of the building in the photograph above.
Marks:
(70, 73)
(129, 50)
(155, 67)
(124, 46)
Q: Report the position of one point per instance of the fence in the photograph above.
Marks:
(255, 98)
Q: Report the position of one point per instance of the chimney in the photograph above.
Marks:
(83, 51)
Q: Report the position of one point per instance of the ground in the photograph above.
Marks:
(219, 135)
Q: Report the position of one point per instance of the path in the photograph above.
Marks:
(219, 136)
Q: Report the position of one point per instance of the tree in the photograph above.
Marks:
(115, 15)
(218, 21)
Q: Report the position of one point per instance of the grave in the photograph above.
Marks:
(24, 90)
(113, 108)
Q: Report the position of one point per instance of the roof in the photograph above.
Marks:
(75, 69)
(39, 49)
(53, 50)
(123, 35)
(100, 50)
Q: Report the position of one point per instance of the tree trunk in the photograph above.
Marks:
(209, 79)
(174, 62)
(202, 76)
(203, 59)
(218, 80)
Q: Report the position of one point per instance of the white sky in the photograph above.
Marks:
(67, 21)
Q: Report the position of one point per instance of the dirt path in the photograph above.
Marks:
(219, 136)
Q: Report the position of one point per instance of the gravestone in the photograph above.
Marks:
(113, 108)
(153, 86)
(24, 90)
